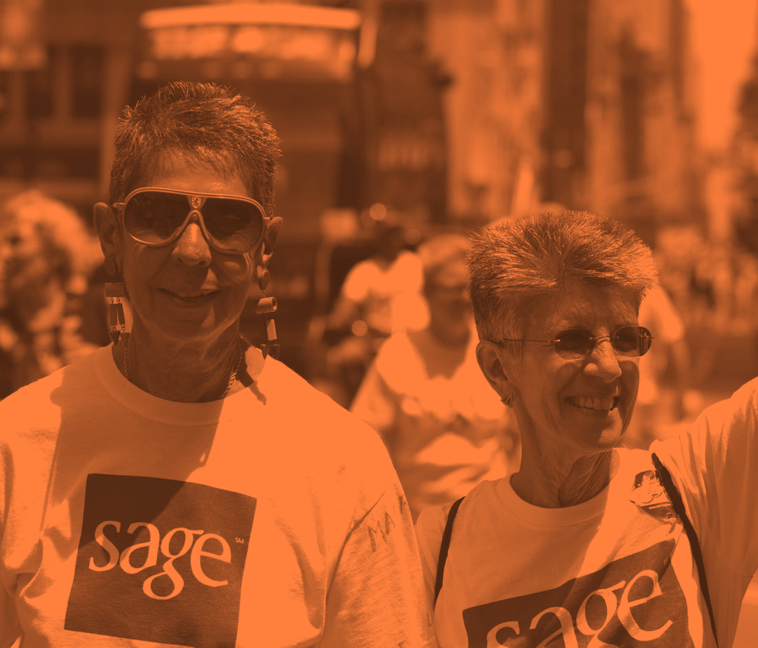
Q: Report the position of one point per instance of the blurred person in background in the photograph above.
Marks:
(46, 258)
(181, 486)
(383, 291)
(380, 295)
(745, 290)
(445, 429)
(659, 401)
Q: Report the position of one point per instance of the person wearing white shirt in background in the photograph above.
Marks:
(379, 296)
(658, 403)
(383, 291)
(445, 429)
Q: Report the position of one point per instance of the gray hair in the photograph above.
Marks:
(210, 122)
(515, 265)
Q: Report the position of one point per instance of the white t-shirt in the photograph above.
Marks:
(445, 428)
(270, 518)
(390, 293)
(609, 569)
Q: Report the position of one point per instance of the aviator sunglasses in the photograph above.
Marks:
(574, 344)
(156, 217)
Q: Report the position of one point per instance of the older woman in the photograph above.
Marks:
(182, 487)
(589, 544)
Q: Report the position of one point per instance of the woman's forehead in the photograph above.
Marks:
(585, 307)
(176, 163)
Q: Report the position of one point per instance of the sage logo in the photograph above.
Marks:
(160, 560)
(155, 548)
(634, 602)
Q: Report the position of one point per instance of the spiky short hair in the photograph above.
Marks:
(515, 265)
(212, 123)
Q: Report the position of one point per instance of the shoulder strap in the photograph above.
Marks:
(678, 505)
(444, 547)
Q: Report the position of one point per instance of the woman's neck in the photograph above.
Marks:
(189, 372)
(547, 485)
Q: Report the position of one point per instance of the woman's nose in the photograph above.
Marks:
(191, 248)
(603, 361)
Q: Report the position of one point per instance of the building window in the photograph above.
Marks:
(40, 86)
(87, 80)
(5, 94)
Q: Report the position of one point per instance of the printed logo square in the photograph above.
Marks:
(160, 560)
(635, 602)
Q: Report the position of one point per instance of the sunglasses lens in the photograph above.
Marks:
(632, 341)
(153, 216)
(234, 225)
(575, 343)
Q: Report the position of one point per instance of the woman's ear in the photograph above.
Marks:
(269, 239)
(497, 367)
(109, 234)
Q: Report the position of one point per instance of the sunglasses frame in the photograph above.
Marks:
(196, 201)
(594, 341)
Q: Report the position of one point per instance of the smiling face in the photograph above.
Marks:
(575, 407)
(187, 290)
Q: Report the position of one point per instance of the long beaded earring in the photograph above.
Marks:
(266, 306)
(116, 321)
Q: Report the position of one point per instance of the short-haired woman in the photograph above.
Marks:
(181, 486)
(589, 544)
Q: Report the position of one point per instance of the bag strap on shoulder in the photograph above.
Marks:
(697, 554)
(445, 547)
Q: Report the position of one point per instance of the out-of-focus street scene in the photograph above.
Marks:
(405, 126)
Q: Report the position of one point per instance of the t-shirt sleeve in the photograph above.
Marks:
(9, 625)
(715, 466)
(376, 594)
(429, 528)
(374, 403)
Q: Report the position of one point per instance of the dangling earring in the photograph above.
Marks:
(116, 320)
(266, 306)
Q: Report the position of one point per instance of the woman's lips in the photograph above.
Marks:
(597, 403)
(191, 296)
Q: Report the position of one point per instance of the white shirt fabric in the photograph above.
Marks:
(445, 428)
(608, 570)
(390, 293)
(271, 518)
